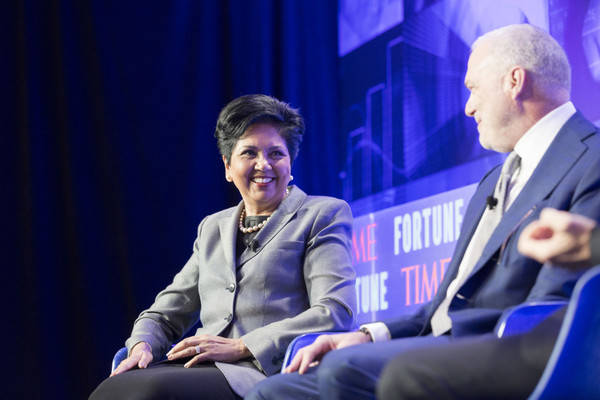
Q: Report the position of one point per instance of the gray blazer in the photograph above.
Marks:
(298, 278)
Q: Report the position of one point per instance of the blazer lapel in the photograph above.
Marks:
(284, 213)
(228, 230)
(562, 154)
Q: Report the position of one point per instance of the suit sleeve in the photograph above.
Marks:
(329, 280)
(174, 311)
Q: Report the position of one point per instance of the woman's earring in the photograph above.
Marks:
(291, 178)
(228, 178)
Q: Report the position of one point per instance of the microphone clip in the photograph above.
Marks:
(253, 245)
(491, 202)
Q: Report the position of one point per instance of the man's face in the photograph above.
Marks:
(490, 102)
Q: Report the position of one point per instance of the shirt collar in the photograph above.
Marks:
(534, 143)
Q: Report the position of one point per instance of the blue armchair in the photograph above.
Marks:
(573, 370)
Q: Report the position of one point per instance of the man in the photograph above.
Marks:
(487, 367)
(519, 79)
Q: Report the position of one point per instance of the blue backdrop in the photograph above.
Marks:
(402, 66)
(109, 162)
(412, 156)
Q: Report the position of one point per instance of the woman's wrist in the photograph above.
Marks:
(244, 351)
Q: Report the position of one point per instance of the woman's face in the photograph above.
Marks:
(260, 168)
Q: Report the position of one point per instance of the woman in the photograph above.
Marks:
(276, 266)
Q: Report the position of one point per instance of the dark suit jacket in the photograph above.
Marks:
(567, 178)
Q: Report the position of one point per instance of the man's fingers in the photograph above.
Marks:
(541, 251)
(295, 363)
(306, 361)
(309, 354)
(535, 240)
(540, 232)
(556, 219)
(565, 221)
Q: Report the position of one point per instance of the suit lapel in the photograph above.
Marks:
(562, 154)
(284, 213)
(474, 212)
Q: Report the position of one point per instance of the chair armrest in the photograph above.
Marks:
(120, 355)
(298, 343)
(524, 317)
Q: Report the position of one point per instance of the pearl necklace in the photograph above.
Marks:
(258, 227)
(251, 229)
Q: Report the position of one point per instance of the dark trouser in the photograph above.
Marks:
(350, 373)
(473, 368)
(167, 380)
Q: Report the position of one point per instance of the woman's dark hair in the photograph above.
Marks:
(237, 116)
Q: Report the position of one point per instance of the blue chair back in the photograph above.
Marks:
(573, 370)
(120, 355)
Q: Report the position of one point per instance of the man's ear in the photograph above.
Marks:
(517, 79)
(227, 176)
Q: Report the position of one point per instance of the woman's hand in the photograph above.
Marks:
(310, 355)
(141, 355)
(209, 348)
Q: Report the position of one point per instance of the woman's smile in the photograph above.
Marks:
(260, 168)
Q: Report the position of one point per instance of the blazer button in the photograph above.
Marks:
(231, 287)
(228, 318)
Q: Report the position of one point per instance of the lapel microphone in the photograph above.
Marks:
(491, 202)
(253, 245)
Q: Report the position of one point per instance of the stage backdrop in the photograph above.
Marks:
(412, 157)
(109, 163)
